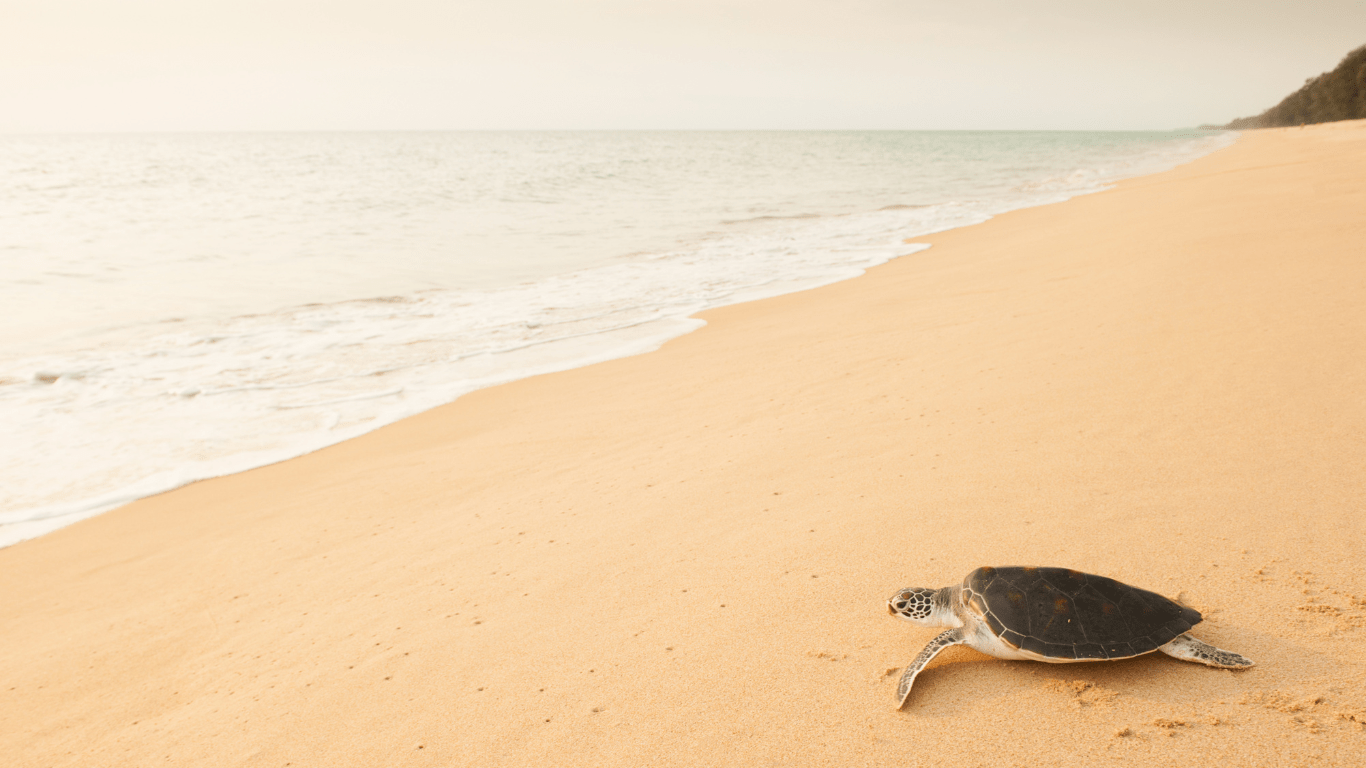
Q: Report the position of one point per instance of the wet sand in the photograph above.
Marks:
(682, 558)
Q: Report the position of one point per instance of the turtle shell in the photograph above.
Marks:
(1061, 614)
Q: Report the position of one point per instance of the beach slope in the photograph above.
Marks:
(682, 558)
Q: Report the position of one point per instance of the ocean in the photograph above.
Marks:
(183, 306)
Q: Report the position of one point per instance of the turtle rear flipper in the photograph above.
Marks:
(944, 640)
(1187, 648)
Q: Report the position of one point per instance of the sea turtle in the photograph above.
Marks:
(1052, 614)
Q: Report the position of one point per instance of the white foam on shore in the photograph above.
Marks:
(138, 410)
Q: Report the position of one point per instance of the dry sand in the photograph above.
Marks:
(682, 558)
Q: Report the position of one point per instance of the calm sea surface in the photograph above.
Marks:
(184, 306)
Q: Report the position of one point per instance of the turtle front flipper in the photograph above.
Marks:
(1187, 648)
(944, 640)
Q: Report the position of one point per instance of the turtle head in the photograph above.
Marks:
(924, 606)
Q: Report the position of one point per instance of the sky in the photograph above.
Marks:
(287, 65)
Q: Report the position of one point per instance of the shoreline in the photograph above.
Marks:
(441, 372)
(681, 558)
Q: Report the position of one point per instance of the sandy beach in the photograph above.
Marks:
(683, 558)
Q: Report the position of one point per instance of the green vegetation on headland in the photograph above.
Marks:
(1336, 95)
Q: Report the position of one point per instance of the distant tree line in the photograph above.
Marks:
(1336, 95)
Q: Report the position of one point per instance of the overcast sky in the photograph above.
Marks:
(119, 65)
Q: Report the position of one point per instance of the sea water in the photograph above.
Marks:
(177, 307)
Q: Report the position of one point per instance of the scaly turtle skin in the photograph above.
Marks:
(1054, 615)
